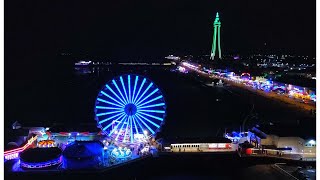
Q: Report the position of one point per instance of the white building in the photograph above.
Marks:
(200, 145)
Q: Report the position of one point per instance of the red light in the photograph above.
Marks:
(20, 149)
(228, 146)
(249, 151)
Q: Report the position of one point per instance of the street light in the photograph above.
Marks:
(248, 118)
(249, 115)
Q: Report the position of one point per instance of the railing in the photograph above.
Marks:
(281, 154)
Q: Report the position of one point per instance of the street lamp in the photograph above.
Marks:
(249, 115)
(248, 118)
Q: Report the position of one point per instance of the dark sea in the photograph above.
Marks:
(56, 94)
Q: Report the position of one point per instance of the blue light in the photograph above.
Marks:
(116, 128)
(156, 125)
(100, 122)
(155, 111)
(144, 80)
(135, 125)
(156, 90)
(121, 153)
(39, 165)
(121, 129)
(134, 88)
(103, 107)
(114, 82)
(154, 105)
(159, 97)
(130, 109)
(136, 120)
(108, 102)
(112, 112)
(155, 117)
(131, 130)
(112, 98)
(145, 124)
(125, 133)
(129, 87)
(110, 124)
(135, 107)
(124, 89)
(115, 94)
(144, 92)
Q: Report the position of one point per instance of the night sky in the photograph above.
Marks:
(151, 29)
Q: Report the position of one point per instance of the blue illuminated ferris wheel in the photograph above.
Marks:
(129, 108)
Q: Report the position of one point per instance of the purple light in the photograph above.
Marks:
(41, 164)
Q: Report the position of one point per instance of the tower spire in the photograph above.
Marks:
(216, 38)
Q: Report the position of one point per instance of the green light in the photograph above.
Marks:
(216, 25)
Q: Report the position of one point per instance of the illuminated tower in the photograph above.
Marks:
(216, 38)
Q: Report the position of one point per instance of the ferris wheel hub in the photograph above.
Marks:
(130, 109)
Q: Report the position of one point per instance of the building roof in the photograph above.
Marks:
(197, 140)
(35, 155)
(83, 149)
(90, 127)
(11, 135)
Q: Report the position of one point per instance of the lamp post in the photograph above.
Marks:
(249, 115)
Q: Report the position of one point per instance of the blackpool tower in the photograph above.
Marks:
(216, 39)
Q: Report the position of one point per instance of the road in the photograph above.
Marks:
(291, 120)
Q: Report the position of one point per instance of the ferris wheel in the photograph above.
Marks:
(130, 108)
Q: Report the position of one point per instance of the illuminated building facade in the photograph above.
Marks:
(216, 38)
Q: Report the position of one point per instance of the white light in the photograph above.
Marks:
(47, 129)
(78, 134)
(312, 142)
(221, 145)
(145, 132)
(69, 134)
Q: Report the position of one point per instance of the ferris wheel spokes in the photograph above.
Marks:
(156, 125)
(145, 124)
(124, 89)
(107, 119)
(143, 82)
(154, 105)
(154, 91)
(130, 112)
(115, 84)
(144, 92)
(154, 99)
(122, 100)
(134, 88)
